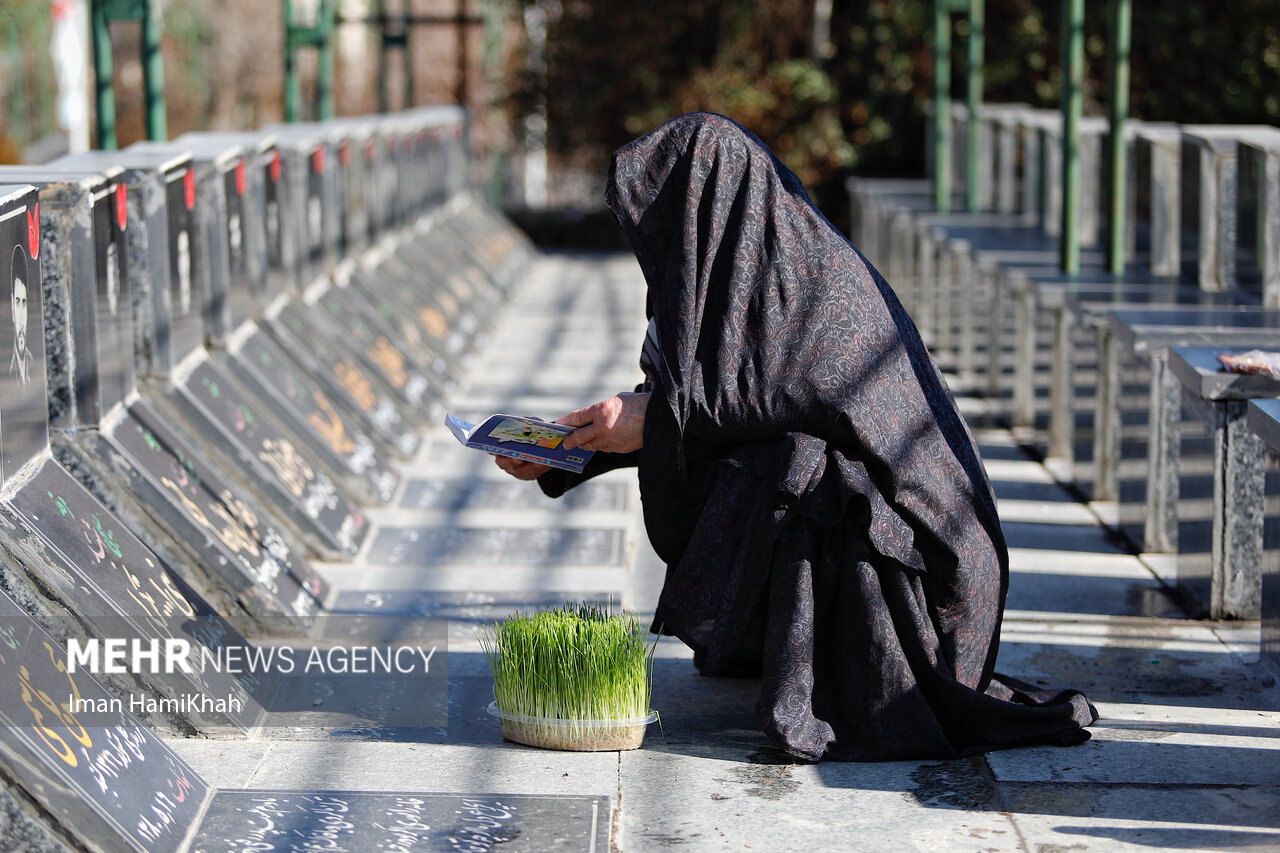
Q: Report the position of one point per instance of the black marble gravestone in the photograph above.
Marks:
(214, 215)
(163, 254)
(305, 498)
(318, 418)
(82, 230)
(311, 196)
(419, 376)
(243, 436)
(327, 350)
(319, 351)
(283, 821)
(64, 535)
(353, 185)
(327, 430)
(81, 754)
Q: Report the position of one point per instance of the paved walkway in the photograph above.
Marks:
(1186, 755)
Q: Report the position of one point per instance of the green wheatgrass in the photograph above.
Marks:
(576, 662)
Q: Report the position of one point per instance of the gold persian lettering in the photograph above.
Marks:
(42, 706)
(434, 322)
(288, 465)
(330, 426)
(357, 384)
(389, 360)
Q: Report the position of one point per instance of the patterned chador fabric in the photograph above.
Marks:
(826, 520)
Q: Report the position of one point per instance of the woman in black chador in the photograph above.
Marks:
(818, 499)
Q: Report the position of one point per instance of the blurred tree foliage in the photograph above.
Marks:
(615, 70)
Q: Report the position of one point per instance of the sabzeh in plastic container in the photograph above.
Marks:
(575, 677)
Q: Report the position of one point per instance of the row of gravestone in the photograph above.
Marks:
(216, 351)
(1093, 364)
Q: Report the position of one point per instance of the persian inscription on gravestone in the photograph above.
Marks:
(417, 546)
(266, 821)
(343, 438)
(315, 492)
(114, 767)
(144, 420)
(212, 513)
(123, 573)
(327, 359)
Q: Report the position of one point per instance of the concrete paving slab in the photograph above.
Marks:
(1134, 818)
(709, 799)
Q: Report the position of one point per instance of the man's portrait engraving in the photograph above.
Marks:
(20, 362)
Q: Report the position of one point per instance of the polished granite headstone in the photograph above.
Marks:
(219, 416)
(285, 821)
(81, 754)
(82, 229)
(63, 534)
(172, 335)
(310, 197)
(234, 426)
(215, 214)
(389, 339)
(1219, 551)
(433, 351)
(327, 432)
(96, 336)
(325, 351)
(162, 187)
(1263, 421)
(321, 353)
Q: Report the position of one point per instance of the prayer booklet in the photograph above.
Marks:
(530, 439)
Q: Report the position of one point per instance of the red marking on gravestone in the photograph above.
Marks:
(317, 160)
(344, 153)
(275, 165)
(240, 177)
(33, 231)
(189, 187)
(122, 206)
(370, 150)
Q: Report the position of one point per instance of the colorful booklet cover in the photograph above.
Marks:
(522, 438)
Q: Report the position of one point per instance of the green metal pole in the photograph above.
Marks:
(1118, 112)
(1072, 107)
(977, 40)
(153, 73)
(104, 89)
(942, 104)
(324, 75)
(292, 91)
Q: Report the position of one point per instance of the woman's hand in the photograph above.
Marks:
(521, 469)
(615, 425)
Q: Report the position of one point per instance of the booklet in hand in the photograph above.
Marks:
(530, 439)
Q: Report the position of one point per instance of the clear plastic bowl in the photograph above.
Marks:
(577, 735)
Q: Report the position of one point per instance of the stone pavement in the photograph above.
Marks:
(1185, 755)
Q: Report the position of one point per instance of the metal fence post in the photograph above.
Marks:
(1118, 112)
(1072, 107)
(977, 42)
